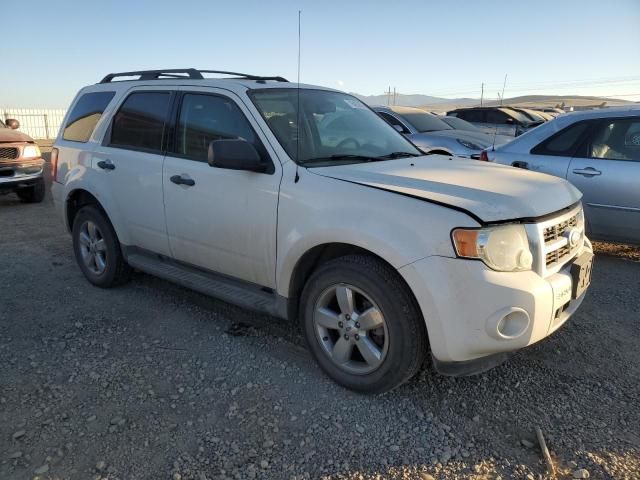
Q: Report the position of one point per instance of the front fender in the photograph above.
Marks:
(320, 210)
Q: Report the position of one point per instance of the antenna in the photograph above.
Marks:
(297, 177)
(495, 133)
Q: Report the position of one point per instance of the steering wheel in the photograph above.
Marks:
(348, 140)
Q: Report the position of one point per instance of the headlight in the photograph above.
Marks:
(504, 248)
(469, 145)
(31, 151)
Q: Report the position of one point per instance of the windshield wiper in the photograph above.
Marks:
(343, 156)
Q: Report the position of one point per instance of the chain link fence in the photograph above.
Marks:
(36, 122)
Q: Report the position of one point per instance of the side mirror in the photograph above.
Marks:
(12, 123)
(235, 154)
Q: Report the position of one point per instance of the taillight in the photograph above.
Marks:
(54, 164)
(483, 156)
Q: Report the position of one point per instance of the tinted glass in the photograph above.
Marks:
(472, 115)
(497, 117)
(424, 122)
(204, 118)
(563, 143)
(616, 140)
(392, 120)
(85, 115)
(460, 124)
(520, 117)
(140, 121)
(333, 127)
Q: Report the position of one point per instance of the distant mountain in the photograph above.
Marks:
(411, 100)
(439, 104)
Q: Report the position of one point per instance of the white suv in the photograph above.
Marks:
(225, 186)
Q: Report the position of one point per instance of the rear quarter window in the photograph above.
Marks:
(85, 115)
(563, 143)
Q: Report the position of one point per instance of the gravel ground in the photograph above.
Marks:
(152, 381)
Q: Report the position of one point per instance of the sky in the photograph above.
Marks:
(443, 48)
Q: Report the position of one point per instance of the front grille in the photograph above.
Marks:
(555, 237)
(554, 232)
(8, 153)
(556, 256)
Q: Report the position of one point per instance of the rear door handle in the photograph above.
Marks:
(106, 165)
(180, 180)
(587, 172)
(520, 164)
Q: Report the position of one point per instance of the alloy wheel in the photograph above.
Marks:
(351, 329)
(93, 249)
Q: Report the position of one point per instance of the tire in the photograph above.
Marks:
(97, 249)
(380, 359)
(33, 194)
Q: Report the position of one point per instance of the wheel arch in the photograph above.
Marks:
(318, 255)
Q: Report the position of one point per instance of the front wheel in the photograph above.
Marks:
(362, 324)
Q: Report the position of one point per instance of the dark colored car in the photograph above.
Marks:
(21, 164)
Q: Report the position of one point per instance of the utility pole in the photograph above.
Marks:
(394, 95)
(481, 93)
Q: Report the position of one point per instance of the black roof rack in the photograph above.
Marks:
(189, 73)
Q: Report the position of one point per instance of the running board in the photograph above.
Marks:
(237, 292)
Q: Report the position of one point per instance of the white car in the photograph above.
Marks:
(382, 254)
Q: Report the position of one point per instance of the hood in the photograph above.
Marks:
(488, 192)
(484, 140)
(8, 135)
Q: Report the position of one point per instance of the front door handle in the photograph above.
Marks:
(106, 165)
(587, 172)
(180, 180)
(520, 164)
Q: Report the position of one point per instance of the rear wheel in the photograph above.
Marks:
(362, 324)
(97, 248)
(32, 194)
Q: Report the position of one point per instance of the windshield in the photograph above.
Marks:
(460, 124)
(424, 122)
(334, 127)
(518, 115)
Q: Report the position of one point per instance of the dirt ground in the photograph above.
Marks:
(152, 381)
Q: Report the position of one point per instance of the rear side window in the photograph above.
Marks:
(140, 122)
(564, 143)
(85, 115)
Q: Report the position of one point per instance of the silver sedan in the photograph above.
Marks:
(599, 152)
(429, 133)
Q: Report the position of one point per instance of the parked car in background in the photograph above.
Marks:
(497, 120)
(460, 124)
(552, 111)
(381, 254)
(21, 164)
(599, 152)
(532, 114)
(434, 136)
